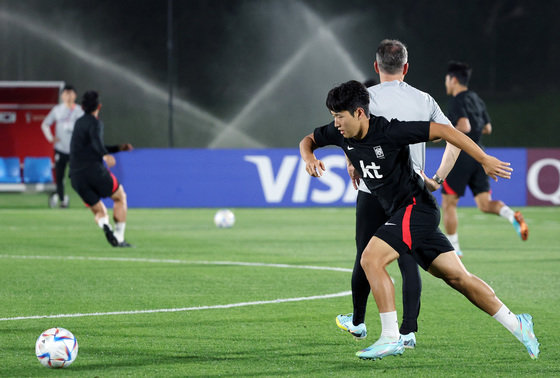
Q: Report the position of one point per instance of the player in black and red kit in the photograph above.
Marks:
(468, 114)
(89, 176)
(379, 149)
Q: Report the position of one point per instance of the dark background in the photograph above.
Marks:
(255, 73)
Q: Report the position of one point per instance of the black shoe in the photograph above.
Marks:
(125, 244)
(110, 236)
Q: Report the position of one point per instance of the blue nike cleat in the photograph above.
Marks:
(459, 253)
(409, 340)
(520, 226)
(345, 323)
(526, 335)
(382, 348)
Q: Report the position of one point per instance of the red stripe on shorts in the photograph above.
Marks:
(407, 238)
(115, 182)
(448, 189)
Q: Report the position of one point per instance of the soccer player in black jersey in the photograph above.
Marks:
(468, 114)
(379, 149)
(393, 98)
(89, 176)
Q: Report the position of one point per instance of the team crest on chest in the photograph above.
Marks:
(379, 152)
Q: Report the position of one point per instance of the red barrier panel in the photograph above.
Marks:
(23, 107)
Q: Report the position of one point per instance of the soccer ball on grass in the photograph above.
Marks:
(56, 348)
(224, 218)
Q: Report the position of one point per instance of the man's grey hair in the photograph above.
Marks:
(391, 56)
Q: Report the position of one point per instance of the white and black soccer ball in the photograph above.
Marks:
(56, 348)
(224, 218)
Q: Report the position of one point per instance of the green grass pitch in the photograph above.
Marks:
(175, 266)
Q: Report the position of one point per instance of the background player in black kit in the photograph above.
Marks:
(468, 114)
(379, 149)
(89, 176)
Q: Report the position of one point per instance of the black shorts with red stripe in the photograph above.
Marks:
(414, 229)
(466, 172)
(94, 183)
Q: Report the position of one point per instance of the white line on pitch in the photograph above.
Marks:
(173, 261)
(136, 312)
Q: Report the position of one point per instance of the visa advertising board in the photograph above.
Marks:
(277, 177)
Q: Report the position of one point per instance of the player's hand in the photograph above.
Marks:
(496, 168)
(56, 139)
(126, 147)
(110, 160)
(431, 184)
(315, 168)
(354, 175)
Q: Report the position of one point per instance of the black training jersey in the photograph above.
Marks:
(86, 146)
(383, 158)
(468, 104)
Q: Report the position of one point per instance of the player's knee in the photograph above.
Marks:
(373, 259)
(368, 259)
(457, 279)
(484, 207)
(448, 204)
(120, 195)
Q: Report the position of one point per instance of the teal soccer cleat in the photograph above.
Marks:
(382, 348)
(526, 335)
(345, 323)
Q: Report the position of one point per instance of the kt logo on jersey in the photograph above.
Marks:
(370, 171)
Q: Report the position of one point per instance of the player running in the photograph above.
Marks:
(89, 176)
(379, 149)
(468, 113)
(393, 98)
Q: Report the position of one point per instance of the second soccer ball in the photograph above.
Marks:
(224, 218)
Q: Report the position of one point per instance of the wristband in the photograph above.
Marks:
(438, 179)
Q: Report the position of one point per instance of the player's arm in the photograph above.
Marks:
(95, 135)
(450, 155)
(487, 129)
(119, 147)
(46, 126)
(492, 166)
(353, 173)
(109, 160)
(463, 125)
(313, 166)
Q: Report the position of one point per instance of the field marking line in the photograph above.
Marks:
(137, 312)
(175, 261)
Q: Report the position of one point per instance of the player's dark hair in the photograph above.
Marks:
(69, 87)
(348, 96)
(90, 101)
(370, 82)
(391, 56)
(461, 71)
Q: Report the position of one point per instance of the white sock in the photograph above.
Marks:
(389, 325)
(507, 213)
(507, 319)
(119, 231)
(103, 221)
(454, 240)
